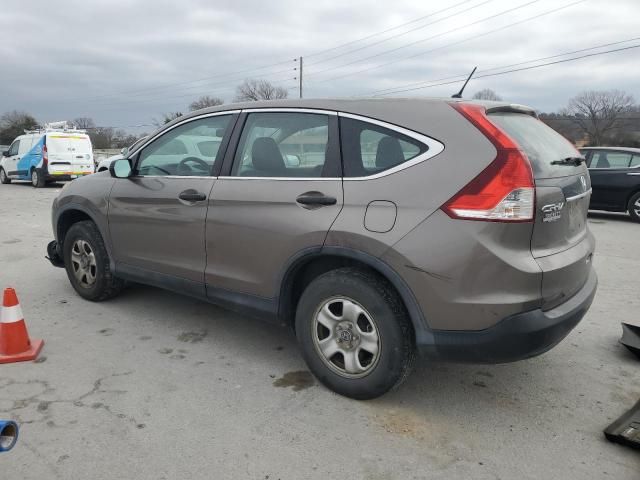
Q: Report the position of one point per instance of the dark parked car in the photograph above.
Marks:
(615, 179)
(457, 229)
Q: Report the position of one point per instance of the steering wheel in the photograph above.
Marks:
(184, 169)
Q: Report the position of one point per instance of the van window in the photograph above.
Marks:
(368, 149)
(59, 143)
(14, 148)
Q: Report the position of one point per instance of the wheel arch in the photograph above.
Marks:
(633, 192)
(72, 214)
(308, 264)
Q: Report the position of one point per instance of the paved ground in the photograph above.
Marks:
(157, 386)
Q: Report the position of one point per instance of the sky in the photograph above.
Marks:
(125, 63)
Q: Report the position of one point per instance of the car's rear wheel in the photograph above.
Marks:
(87, 263)
(4, 179)
(37, 178)
(355, 334)
(634, 207)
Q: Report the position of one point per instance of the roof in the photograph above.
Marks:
(380, 108)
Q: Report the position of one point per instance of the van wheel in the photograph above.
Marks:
(87, 263)
(354, 333)
(37, 178)
(634, 207)
(3, 177)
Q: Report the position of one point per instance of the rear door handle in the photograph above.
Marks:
(633, 173)
(316, 198)
(192, 196)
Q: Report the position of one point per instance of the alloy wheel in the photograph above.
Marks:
(83, 261)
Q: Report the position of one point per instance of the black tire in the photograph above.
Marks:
(105, 285)
(396, 348)
(634, 207)
(37, 178)
(4, 179)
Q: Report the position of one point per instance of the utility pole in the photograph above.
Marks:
(300, 77)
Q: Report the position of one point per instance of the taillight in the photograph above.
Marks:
(502, 192)
(45, 156)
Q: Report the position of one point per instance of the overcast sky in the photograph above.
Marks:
(124, 62)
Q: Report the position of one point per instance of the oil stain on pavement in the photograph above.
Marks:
(299, 380)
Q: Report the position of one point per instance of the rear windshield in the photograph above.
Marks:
(68, 143)
(541, 143)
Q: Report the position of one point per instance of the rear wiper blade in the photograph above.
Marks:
(569, 161)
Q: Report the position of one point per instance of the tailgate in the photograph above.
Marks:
(560, 242)
(69, 154)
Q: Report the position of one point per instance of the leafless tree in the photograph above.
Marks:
(487, 94)
(166, 118)
(84, 122)
(102, 137)
(598, 113)
(14, 123)
(252, 90)
(204, 102)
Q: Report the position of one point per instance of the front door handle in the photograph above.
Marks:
(316, 198)
(192, 196)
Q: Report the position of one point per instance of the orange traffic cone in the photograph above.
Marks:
(15, 345)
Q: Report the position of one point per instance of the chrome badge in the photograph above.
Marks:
(552, 212)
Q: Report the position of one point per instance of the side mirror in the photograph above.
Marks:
(120, 168)
(5, 153)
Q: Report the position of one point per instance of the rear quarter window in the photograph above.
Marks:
(369, 149)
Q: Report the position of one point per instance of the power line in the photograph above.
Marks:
(390, 90)
(119, 103)
(385, 31)
(209, 89)
(518, 69)
(349, 52)
(504, 12)
(255, 69)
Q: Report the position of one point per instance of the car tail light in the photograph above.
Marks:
(45, 156)
(502, 192)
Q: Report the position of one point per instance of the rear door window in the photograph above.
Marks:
(540, 142)
(635, 161)
(283, 144)
(368, 149)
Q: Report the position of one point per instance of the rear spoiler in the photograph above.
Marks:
(512, 108)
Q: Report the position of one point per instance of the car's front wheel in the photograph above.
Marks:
(87, 263)
(4, 179)
(355, 334)
(634, 207)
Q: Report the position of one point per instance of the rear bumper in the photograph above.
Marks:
(517, 337)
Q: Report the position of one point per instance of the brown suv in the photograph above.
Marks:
(375, 228)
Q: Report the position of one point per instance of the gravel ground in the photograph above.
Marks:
(153, 385)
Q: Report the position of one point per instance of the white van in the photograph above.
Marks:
(55, 152)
